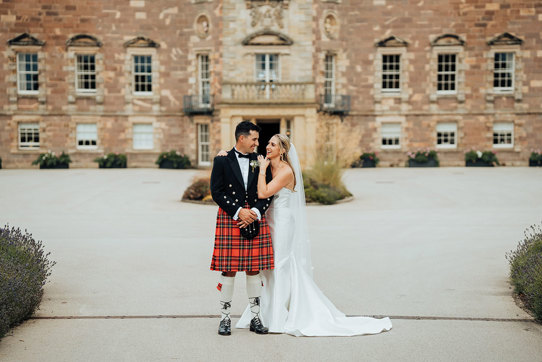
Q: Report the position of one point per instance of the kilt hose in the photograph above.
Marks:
(232, 252)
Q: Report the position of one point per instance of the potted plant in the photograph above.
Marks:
(172, 159)
(111, 160)
(481, 159)
(366, 160)
(534, 160)
(427, 158)
(51, 160)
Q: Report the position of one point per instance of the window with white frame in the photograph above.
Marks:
(85, 77)
(391, 135)
(204, 79)
(142, 74)
(143, 136)
(503, 134)
(204, 145)
(503, 72)
(391, 72)
(29, 135)
(447, 135)
(27, 73)
(329, 79)
(267, 67)
(87, 136)
(447, 73)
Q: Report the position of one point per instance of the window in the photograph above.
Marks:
(27, 73)
(143, 137)
(267, 71)
(447, 73)
(267, 67)
(87, 136)
(391, 72)
(85, 80)
(29, 135)
(203, 138)
(503, 73)
(503, 134)
(446, 135)
(391, 134)
(142, 74)
(329, 79)
(204, 80)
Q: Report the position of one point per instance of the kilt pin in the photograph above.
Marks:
(233, 252)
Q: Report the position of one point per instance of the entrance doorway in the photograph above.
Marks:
(270, 127)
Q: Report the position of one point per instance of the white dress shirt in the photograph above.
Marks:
(244, 164)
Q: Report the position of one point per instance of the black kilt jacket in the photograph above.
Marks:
(232, 252)
(228, 188)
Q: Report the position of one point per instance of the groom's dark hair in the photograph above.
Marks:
(244, 128)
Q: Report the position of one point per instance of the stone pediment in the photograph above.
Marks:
(448, 40)
(505, 39)
(392, 41)
(141, 42)
(267, 37)
(83, 40)
(25, 39)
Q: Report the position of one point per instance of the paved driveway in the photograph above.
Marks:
(132, 281)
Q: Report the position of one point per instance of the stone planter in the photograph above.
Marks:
(100, 166)
(430, 163)
(478, 163)
(531, 164)
(169, 164)
(166, 164)
(368, 163)
(63, 165)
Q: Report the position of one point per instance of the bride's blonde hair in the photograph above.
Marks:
(284, 146)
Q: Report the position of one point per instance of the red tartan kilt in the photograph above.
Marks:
(232, 252)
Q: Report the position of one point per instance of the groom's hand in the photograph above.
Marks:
(247, 217)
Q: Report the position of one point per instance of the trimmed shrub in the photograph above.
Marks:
(423, 156)
(51, 160)
(366, 159)
(111, 160)
(173, 159)
(535, 158)
(24, 268)
(200, 189)
(526, 270)
(488, 157)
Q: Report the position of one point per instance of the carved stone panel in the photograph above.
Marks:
(266, 14)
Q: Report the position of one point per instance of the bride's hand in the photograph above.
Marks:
(264, 162)
(222, 153)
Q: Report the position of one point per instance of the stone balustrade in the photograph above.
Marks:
(268, 92)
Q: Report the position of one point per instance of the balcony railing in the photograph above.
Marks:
(268, 92)
(198, 104)
(335, 104)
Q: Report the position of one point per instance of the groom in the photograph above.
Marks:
(234, 189)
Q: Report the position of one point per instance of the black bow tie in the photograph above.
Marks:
(241, 155)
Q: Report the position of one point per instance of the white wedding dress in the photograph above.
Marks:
(291, 302)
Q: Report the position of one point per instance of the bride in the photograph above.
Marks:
(291, 302)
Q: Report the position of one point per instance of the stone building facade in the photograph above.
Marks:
(339, 76)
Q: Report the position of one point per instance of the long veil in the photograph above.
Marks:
(301, 242)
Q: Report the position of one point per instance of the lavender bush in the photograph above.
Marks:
(24, 268)
(526, 270)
